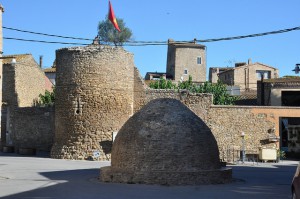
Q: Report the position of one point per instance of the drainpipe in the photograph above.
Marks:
(262, 92)
(248, 86)
(245, 77)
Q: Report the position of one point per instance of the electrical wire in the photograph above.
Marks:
(42, 41)
(252, 35)
(144, 43)
(45, 34)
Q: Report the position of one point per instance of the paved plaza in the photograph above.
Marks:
(44, 178)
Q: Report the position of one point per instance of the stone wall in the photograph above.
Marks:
(228, 122)
(29, 80)
(22, 85)
(33, 127)
(139, 89)
(198, 103)
(94, 98)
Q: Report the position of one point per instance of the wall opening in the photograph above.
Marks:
(290, 136)
(290, 98)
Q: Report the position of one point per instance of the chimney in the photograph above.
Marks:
(249, 61)
(41, 61)
(96, 41)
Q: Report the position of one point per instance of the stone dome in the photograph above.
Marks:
(165, 143)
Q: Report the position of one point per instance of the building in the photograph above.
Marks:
(279, 92)
(1, 66)
(246, 75)
(51, 74)
(213, 76)
(283, 92)
(186, 59)
(155, 76)
(23, 82)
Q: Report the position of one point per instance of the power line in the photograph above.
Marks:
(143, 43)
(45, 34)
(252, 35)
(42, 41)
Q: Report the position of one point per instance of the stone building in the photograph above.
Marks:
(155, 76)
(185, 59)
(279, 92)
(51, 74)
(1, 65)
(245, 75)
(213, 75)
(22, 123)
(283, 92)
(94, 98)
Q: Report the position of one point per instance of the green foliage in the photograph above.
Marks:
(162, 84)
(219, 90)
(48, 99)
(186, 84)
(108, 34)
(281, 154)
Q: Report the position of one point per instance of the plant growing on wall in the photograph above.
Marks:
(162, 84)
(48, 99)
(109, 34)
(219, 90)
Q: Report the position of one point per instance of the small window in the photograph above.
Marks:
(263, 73)
(199, 61)
(185, 72)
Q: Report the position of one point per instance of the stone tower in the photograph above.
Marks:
(186, 59)
(94, 98)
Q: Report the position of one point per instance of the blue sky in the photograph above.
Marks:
(158, 20)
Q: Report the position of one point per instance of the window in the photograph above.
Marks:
(265, 73)
(185, 72)
(199, 61)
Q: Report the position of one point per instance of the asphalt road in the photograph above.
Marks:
(43, 178)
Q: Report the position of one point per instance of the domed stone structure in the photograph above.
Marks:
(165, 143)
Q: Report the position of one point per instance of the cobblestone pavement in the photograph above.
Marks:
(43, 178)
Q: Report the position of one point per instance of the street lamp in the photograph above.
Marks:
(243, 147)
(297, 68)
(13, 59)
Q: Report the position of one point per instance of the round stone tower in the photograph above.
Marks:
(94, 98)
(165, 143)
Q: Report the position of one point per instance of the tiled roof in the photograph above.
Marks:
(49, 70)
(282, 80)
(18, 58)
(246, 66)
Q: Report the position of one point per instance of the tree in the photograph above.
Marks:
(108, 34)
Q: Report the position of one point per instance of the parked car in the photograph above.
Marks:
(296, 184)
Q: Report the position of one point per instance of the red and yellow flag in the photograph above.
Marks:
(112, 17)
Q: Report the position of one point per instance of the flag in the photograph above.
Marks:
(112, 17)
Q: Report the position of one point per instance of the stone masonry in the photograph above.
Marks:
(22, 85)
(94, 98)
(189, 57)
(165, 143)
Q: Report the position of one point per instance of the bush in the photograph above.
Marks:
(219, 90)
(48, 99)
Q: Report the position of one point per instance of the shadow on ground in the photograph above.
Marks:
(250, 182)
